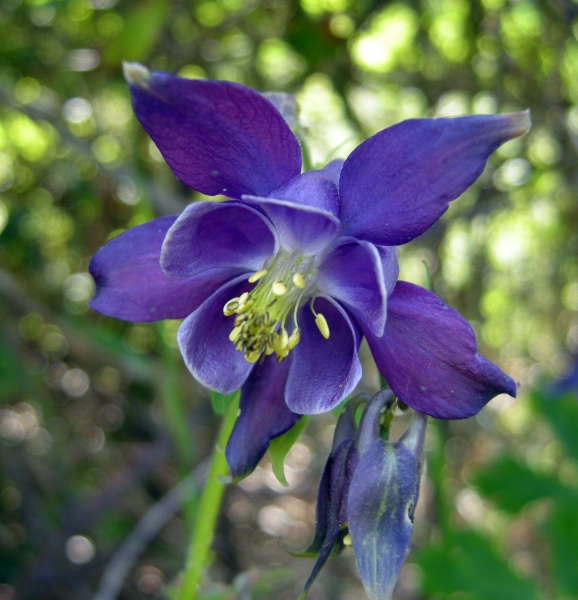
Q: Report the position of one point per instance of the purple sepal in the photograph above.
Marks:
(131, 285)
(398, 183)
(218, 137)
(352, 273)
(263, 416)
(428, 356)
(336, 477)
(380, 508)
(379, 525)
(312, 188)
(203, 339)
(330, 499)
(333, 365)
(211, 235)
(331, 506)
(306, 229)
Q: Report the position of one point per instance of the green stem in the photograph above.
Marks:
(208, 510)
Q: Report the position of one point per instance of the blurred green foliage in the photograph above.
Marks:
(99, 419)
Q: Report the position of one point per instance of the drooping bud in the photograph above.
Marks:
(331, 511)
(381, 504)
(333, 488)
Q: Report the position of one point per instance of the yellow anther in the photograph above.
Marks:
(256, 276)
(282, 355)
(235, 334)
(252, 357)
(321, 323)
(243, 308)
(294, 339)
(280, 342)
(283, 338)
(240, 319)
(298, 281)
(347, 540)
(279, 288)
(274, 343)
(230, 307)
(243, 298)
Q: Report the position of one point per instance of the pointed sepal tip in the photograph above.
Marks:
(520, 123)
(135, 73)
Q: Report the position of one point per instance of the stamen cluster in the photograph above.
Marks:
(260, 325)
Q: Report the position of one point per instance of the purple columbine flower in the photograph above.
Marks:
(278, 285)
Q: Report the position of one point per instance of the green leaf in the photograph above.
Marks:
(280, 446)
(143, 26)
(511, 485)
(221, 402)
(562, 529)
(468, 563)
(562, 412)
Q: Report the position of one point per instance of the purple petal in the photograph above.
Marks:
(428, 355)
(131, 285)
(390, 266)
(332, 170)
(399, 182)
(203, 338)
(312, 188)
(218, 137)
(212, 235)
(263, 416)
(352, 273)
(383, 492)
(298, 226)
(323, 372)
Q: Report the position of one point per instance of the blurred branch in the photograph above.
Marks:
(147, 528)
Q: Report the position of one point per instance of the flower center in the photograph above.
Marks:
(283, 286)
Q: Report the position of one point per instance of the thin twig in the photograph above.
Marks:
(148, 527)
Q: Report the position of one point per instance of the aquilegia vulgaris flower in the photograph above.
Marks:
(278, 284)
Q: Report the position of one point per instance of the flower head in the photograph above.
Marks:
(278, 284)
